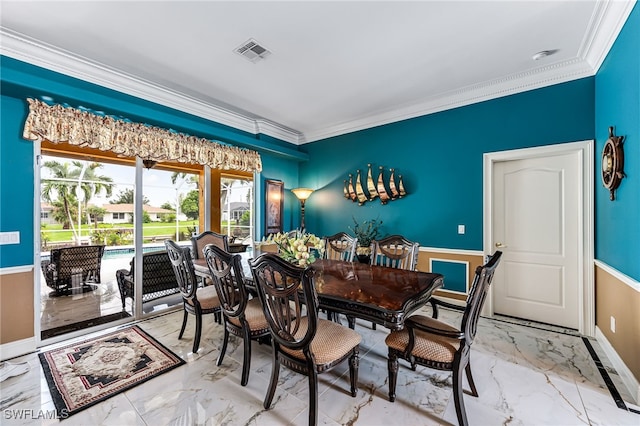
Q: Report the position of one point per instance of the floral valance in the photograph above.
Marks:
(58, 124)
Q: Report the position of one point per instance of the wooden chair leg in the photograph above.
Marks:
(196, 340)
(313, 397)
(184, 324)
(275, 372)
(246, 362)
(458, 394)
(472, 384)
(392, 364)
(354, 365)
(352, 322)
(223, 349)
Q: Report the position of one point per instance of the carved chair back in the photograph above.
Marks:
(395, 251)
(284, 289)
(340, 246)
(199, 242)
(183, 267)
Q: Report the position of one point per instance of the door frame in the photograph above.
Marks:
(586, 285)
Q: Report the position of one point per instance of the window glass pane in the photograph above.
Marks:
(100, 213)
(236, 205)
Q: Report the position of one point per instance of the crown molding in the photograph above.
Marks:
(275, 130)
(534, 79)
(23, 48)
(606, 22)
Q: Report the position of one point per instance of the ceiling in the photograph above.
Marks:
(335, 67)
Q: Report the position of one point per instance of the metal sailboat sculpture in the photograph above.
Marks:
(352, 193)
(359, 191)
(355, 192)
(371, 186)
(392, 186)
(382, 191)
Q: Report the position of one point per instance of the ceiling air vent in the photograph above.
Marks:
(251, 50)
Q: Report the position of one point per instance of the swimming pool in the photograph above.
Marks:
(118, 252)
(115, 252)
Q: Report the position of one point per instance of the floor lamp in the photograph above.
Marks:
(302, 194)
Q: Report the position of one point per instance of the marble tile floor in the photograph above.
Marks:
(525, 376)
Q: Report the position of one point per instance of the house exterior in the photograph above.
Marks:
(46, 217)
(114, 213)
(123, 213)
(236, 210)
(444, 181)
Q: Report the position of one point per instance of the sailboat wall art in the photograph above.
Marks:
(392, 190)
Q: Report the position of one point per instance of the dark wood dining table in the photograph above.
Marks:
(385, 296)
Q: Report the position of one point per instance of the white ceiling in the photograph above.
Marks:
(335, 67)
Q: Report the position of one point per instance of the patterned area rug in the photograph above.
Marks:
(85, 373)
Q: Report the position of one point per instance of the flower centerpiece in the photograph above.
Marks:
(298, 248)
(366, 232)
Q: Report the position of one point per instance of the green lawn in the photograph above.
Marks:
(55, 234)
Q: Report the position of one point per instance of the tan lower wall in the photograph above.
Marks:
(424, 258)
(16, 307)
(617, 299)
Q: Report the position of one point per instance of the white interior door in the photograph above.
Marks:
(537, 223)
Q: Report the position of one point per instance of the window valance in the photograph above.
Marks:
(57, 124)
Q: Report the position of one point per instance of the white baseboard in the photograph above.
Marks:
(625, 374)
(17, 348)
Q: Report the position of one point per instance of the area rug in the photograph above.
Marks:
(83, 374)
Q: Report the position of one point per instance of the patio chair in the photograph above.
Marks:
(73, 268)
(431, 343)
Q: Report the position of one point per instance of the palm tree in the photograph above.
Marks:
(68, 181)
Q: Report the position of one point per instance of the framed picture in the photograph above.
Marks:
(274, 198)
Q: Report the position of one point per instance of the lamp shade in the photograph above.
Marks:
(302, 193)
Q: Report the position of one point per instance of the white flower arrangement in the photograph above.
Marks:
(301, 249)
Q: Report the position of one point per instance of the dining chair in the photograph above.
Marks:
(196, 300)
(243, 317)
(395, 251)
(340, 246)
(302, 342)
(198, 242)
(432, 343)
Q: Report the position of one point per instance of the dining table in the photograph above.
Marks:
(383, 295)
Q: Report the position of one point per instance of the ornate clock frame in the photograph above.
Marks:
(612, 163)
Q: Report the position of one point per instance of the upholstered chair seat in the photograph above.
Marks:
(332, 341)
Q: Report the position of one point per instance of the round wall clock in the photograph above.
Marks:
(612, 163)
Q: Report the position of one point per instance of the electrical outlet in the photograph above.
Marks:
(461, 229)
(613, 324)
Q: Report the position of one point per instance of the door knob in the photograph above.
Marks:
(500, 245)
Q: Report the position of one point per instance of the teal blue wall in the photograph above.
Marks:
(440, 159)
(20, 81)
(618, 104)
(16, 183)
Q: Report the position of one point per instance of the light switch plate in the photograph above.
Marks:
(460, 229)
(10, 237)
